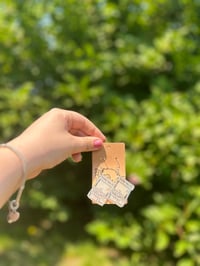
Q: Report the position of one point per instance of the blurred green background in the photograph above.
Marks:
(133, 68)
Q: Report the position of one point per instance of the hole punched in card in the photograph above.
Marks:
(109, 184)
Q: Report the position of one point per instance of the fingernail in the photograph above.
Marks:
(98, 143)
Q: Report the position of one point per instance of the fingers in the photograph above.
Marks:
(77, 157)
(79, 123)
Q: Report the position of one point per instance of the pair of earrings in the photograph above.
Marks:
(106, 190)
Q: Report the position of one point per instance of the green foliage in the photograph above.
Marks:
(165, 156)
(133, 68)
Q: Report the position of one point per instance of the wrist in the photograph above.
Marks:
(13, 175)
(24, 150)
(11, 166)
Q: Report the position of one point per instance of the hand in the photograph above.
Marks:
(54, 137)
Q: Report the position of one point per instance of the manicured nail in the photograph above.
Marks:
(98, 143)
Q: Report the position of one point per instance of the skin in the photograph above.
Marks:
(48, 141)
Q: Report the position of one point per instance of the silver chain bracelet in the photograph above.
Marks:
(13, 214)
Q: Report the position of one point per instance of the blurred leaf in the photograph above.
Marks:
(162, 241)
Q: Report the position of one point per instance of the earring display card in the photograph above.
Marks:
(109, 161)
(109, 185)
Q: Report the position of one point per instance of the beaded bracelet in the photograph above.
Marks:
(13, 214)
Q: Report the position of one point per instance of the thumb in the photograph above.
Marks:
(84, 144)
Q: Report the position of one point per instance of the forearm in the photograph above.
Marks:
(11, 174)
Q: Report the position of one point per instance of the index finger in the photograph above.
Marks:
(78, 122)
